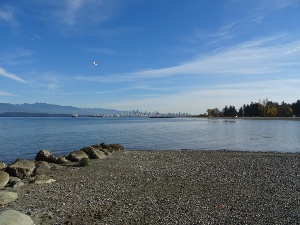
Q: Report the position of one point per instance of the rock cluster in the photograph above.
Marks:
(41, 171)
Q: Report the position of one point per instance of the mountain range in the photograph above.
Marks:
(45, 108)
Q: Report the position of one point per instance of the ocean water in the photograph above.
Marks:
(24, 137)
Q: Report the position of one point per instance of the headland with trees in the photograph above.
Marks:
(263, 108)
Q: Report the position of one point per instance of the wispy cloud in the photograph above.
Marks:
(71, 10)
(49, 81)
(17, 56)
(259, 12)
(263, 56)
(280, 4)
(239, 25)
(8, 15)
(266, 56)
(6, 94)
(80, 12)
(4, 73)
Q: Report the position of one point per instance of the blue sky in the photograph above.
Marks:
(153, 55)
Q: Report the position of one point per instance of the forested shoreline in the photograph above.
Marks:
(263, 108)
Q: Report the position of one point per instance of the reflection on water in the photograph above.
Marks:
(24, 137)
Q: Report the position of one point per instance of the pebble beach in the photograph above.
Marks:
(169, 187)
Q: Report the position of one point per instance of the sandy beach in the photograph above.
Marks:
(169, 187)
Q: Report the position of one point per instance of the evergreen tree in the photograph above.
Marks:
(296, 108)
(241, 112)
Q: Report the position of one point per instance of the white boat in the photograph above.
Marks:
(74, 115)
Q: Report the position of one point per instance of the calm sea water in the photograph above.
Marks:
(24, 137)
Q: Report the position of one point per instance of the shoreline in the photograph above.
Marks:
(169, 187)
(63, 154)
(256, 118)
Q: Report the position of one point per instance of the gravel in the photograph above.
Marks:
(169, 187)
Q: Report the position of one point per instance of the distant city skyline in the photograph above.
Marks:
(52, 109)
(165, 56)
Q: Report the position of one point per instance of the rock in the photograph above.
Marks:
(77, 155)
(94, 153)
(14, 179)
(97, 146)
(42, 167)
(116, 147)
(12, 217)
(2, 166)
(104, 146)
(7, 197)
(44, 155)
(21, 168)
(15, 182)
(57, 167)
(84, 162)
(61, 160)
(112, 147)
(4, 178)
(106, 152)
(42, 179)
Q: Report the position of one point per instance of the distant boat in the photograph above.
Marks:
(74, 115)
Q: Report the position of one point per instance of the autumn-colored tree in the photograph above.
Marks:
(209, 112)
(270, 109)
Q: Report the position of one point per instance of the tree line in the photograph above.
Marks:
(263, 108)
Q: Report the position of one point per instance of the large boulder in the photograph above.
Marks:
(12, 217)
(94, 153)
(77, 155)
(4, 178)
(7, 197)
(44, 155)
(21, 168)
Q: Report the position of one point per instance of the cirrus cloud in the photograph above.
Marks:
(12, 76)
